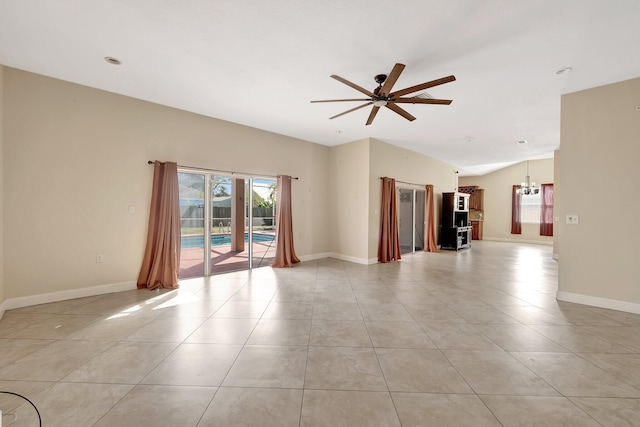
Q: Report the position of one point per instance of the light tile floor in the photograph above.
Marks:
(473, 338)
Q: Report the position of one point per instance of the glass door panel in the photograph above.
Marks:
(419, 221)
(229, 251)
(405, 220)
(411, 220)
(192, 218)
(263, 222)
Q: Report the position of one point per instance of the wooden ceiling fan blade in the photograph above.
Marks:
(422, 86)
(341, 100)
(372, 115)
(403, 113)
(353, 85)
(391, 79)
(353, 109)
(422, 101)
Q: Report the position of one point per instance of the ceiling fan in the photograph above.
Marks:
(383, 97)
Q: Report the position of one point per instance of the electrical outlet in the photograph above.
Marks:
(573, 219)
(132, 209)
(99, 258)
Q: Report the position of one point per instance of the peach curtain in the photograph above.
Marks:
(389, 244)
(162, 254)
(431, 242)
(516, 207)
(546, 210)
(285, 254)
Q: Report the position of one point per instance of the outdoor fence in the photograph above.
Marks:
(193, 217)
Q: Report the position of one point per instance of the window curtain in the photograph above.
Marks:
(389, 244)
(162, 254)
(431, 243)
(285, 254)
(546, 210)
(516, 207)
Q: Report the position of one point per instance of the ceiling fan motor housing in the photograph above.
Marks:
(380, 78)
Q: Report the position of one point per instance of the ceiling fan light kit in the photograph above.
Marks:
(383, 97)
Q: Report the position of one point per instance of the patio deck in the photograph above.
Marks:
(224, 260)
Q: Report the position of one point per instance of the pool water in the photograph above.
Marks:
(188, 242)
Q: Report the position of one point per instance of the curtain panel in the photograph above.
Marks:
(431, 242)
(546, 210)
(389, 244)
(161, 261)
(516, 207)
(285, 253)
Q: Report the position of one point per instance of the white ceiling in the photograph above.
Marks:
(259, 63)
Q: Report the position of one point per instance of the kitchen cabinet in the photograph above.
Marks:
(476, 196)
(479, 199)
(455, 228)
(476, 229)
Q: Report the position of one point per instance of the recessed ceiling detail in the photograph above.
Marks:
(565, 70)
(113, 61)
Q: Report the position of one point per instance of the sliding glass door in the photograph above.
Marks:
(238, 215)
(263, 222)
(228, 251)
(418, 220)
(411, 219)
(192, 224)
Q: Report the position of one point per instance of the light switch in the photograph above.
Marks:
(573, 219)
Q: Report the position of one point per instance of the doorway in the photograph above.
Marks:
(411, 219)
(226, 223)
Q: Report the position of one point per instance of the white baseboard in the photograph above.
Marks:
(357, 260)
(341, 257)
(314, 257)
(612, 304)
(27, 301)
(534, 242)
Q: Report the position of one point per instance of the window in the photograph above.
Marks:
(530, 213)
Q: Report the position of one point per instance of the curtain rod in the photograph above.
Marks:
(227, 172)
(405, 182)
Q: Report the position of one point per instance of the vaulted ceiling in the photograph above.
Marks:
(259, 63)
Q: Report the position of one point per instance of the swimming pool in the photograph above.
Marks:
(188, 242)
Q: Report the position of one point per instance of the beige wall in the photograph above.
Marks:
(355, 174)
(403, 165)
(349, 201)
(557, 191)
(599, 155)
(1, 188)
(75, 158)
(497, 199)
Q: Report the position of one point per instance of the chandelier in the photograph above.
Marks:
(527, 187)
